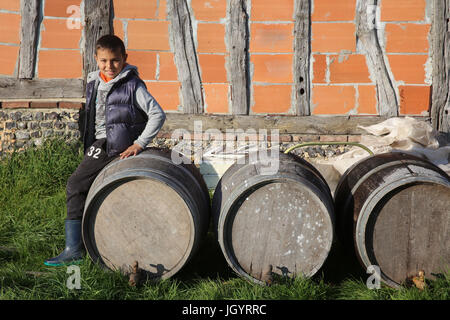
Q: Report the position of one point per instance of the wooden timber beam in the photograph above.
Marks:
(302, 51)
(185, 54)
(30, 22)
(97, 22)
(12, 88)
(440, 105)
(237, 38)
(329, 125)
(366, 34)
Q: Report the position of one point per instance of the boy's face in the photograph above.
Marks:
(110, 62)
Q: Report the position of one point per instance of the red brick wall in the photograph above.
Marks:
(341, 81)
(9, 36)
(271, 55)
(144, 27)
(59, 53)
(212, 52)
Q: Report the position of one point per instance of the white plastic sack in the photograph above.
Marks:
(401, 133)
(407, 135)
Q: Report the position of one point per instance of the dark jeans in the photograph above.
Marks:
(95, 159)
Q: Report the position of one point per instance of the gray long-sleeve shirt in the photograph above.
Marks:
(143, 100)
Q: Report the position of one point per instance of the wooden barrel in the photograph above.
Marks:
(393, 210)
(148, 209)
(284, 220)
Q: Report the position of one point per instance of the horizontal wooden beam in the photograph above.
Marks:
(329, 125)
(12, 88)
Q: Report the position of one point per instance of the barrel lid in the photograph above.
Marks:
(280, 222)
(155, 229)
(402, 228)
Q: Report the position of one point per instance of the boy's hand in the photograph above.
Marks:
(131, 151)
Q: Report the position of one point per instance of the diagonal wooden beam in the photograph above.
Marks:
(366, 34)
(186, 60)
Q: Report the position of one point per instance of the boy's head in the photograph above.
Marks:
(110, 55)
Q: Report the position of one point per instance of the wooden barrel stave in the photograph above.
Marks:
(146, 208)
(253, 229)
(352, 178)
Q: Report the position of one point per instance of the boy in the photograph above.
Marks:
(121, 119)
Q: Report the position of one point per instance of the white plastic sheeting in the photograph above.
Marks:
(406, 134)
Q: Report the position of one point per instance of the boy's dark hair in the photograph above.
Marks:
(110, 42)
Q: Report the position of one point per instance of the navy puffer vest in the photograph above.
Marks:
(124, 121)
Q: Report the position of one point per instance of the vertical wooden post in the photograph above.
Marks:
(29, 10)
(366, 33)
(237, 38)
(98, 22)
(186, 61)
(440, 106)
(302, 51)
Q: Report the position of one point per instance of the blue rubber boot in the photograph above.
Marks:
(74, 251)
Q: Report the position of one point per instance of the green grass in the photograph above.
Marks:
(32, 212)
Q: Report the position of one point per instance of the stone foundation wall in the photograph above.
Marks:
(22, 128)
